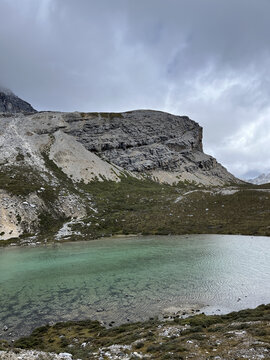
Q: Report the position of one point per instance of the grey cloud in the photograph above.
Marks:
(204, 58)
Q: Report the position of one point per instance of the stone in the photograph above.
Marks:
(66, 356)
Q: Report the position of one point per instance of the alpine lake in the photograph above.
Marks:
(118, 280)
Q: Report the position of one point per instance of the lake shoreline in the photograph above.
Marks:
(244, 333)
(169, 314)
(27, 243)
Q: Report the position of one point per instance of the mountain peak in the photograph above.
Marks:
(6, 91)
(10, 103)
(261, 179)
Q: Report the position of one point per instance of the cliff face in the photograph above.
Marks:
(166, 146)
(10, 103)
(140, 140)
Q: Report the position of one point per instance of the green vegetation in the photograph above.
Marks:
(10, 241)
(135, 206)
(142, 206)
(49, 223)
(205, 336)
(20, 180)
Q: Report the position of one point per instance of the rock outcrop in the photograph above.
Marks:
(10, 103)
(165, 146)
(140, 140)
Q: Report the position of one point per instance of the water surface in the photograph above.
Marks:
(131, 278)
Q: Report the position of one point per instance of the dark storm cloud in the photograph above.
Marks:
(207, 59)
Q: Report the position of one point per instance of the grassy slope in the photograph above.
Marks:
(133, 206)
(24, 180)
(201, 336)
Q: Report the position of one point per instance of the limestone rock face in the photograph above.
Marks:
(10, 103)
(147, 141)
(138, 140)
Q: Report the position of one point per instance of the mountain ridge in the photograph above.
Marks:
(10, 103)
(261, 179)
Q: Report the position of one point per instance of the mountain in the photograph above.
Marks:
(86, 175)
(261, 179)
(10, 103)
(90, 146)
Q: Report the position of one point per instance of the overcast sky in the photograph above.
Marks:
(207, 59)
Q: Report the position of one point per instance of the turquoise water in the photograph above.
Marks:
(131, 278)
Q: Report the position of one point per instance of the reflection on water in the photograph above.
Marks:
(132, 278)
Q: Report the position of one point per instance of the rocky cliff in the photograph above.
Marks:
(10, 103)
(164, 146)
(48, 158)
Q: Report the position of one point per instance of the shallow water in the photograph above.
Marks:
(131, 278)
